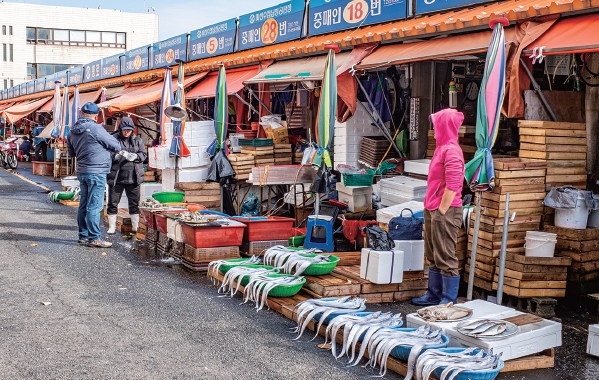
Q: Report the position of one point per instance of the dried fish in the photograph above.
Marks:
(453, 363)
(214, 266)
(259, 286)
(308, 309)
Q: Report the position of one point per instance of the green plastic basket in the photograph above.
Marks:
(297, 241)
(321, 269)
(169, 197)
(359, 179)
(246, 279)
(233, 263)
(256, 142)
(65, 196)
(285, 290)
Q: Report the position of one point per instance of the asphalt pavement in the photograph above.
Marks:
(73, 312)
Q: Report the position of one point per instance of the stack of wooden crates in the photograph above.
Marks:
(524, 179)
(283, 154)
(207, 194)
(466, 139)
(563, 146)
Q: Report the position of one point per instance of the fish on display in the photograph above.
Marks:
(214, 266)
(308, 309)
(259, 286)
(483, 328)
(470, 359)
(444, 312)
(277, 255)
(301, 263)
(237, 273)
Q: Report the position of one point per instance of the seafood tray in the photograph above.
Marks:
(490, 329)
(532, 338)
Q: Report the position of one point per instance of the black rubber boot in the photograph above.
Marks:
(435, 287)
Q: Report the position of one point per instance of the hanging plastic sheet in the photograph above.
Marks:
(378, 238)
(220, 168)
(567, 197)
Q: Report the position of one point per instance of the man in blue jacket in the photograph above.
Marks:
(89, 142)
(41, 145)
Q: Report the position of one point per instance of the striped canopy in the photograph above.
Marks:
(178, 146)
(165, 101)
(76, 107)
(327, 106)
(56, 111)
(221, 114)
(479, 172)
(64, 115)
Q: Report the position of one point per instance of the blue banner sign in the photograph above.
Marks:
(40, 84)
(31, 87)
(170, 52)
(24, 89)
(426, 6)
(213, 40)
(331, 15)
(137, 60)
(93, 71)
(272, 25)
(111, 66)
(50, 82)
(11, 92)
(2, 94)
(75, 75)
(16, 91)
(62, 77)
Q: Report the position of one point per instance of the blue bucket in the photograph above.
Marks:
(485, 374)
(402, 352)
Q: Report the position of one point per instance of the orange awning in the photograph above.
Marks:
(49, 106)
(6, 105)
(570, 35)
(16, 113)
(465, 44)
(235, 79)
(144, 95)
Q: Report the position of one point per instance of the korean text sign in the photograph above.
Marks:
(426, 6)
(213, 40)
(93, 71)
(111, 66)
(137, 59)
(170, 52)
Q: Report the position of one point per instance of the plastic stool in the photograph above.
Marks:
(315, 223)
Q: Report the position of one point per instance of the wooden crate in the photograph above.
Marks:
(206, 255)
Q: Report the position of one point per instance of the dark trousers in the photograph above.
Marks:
(440, 238)
(114, 197)
(43, 148)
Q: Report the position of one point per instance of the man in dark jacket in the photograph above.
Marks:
(25, 147)
(89, 142)
(41, 145)
(127, 174)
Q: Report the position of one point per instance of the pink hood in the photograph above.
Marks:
(446, 170)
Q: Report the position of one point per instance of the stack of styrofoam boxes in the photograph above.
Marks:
(147, 189)
(417, 166)
(194, 168)
(401, 189)
(347, 137)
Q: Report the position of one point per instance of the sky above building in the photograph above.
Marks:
(175, 17)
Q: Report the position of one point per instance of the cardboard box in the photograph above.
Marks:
(278, 135)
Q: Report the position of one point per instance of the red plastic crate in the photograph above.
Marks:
(161, 220)
(149, 219)
(208, 237)
(274, 228)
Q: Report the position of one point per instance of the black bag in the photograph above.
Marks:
(409, 228)
(378, 238)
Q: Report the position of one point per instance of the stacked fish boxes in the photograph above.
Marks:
(524, 180)
(193, 168)
(401, 189)
(583, 247)
(348, 135)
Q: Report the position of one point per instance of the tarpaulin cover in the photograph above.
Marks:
(296, 70)
(19, 111)
(6, 105)
(144, 95)
(347, 88)
(569, 35)
(378, 238)
(567, 196)
(235, 80)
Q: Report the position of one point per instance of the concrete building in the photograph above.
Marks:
(39, 40)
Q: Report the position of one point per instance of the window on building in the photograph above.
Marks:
(10, 30)
(4, 30)
(12, 83)
(5, 84)
(44, 69)
(31, 71)
(4, 55)
(10, 52)
(76, 37)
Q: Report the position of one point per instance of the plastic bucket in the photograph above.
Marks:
(540, 244)
(575, 218)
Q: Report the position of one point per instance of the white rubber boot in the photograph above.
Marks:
(135, 221)
(111, 224)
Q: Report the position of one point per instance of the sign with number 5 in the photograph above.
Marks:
(213, 40)
(280, 23)
(331, 15)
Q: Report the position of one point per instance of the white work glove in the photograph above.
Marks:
(118, 155)
(131, 157)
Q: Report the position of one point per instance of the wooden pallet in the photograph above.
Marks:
(69, 203)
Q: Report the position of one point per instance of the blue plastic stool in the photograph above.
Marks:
(320, 221)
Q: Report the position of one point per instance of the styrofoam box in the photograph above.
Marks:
(173, 230)
(404, 186)
(195, 159)
(147, 189)
(384, 267)
(200, 141)
(351, 157)
(388, 199)
(168, 132)
(385, 215)
(349, 148)
(531, 338)
(352, 140)
(357, 198)
(193, 174)
(158, 158)
(413, 254)
(417, 166)
(593, 341)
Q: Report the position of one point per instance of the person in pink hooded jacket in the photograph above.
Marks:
(443, 209)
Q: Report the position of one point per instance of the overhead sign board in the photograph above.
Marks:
(50, 79)
(426, 6)
(111, 67)
(17, 90)
(332, 15)
(75, 75)
(170, 52)
(11, 92)
(137, 59)
(31, 87)
(24, 89)
(93, 71)
(213, 40)
(280, 23)
(62, 77)
(40, 84)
